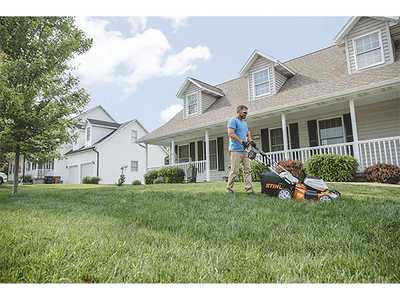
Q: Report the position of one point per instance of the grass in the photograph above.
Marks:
(196, 233)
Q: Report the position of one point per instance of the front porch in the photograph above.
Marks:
(366, 127)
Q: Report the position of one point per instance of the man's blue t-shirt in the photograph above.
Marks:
(241, 130)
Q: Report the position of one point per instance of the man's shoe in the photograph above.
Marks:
(228, 190)
(250, 192)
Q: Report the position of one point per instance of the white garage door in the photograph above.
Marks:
(73, 174)
(87, 170)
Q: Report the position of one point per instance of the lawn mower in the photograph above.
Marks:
(286, 186)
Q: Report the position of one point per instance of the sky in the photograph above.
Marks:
(137, 64)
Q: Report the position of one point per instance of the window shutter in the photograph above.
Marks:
(312, 133)
(348, 130)
(200, 150)
(192, 151)
(176, 153)
(221, 160)
(294, 136)
(265, 140)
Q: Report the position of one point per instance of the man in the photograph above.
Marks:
(239, 138)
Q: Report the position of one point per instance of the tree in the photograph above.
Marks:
(38, 90)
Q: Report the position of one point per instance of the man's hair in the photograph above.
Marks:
(240, 108)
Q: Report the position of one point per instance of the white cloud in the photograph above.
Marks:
(129, 61)
(169, 112)
(177, 21)
(138, 24)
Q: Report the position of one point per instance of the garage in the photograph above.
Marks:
(73, 175)
(87, 170)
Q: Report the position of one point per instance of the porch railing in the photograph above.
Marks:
(384, 150)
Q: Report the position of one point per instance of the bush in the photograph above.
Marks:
(150, 176)
(159, 180)
(172, 174)
(383, 173)
(293, 166)
(136, 182)
(27, 179)
(90, 180)
(332, 167)
(256, 169)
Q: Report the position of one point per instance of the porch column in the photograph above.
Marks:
(172, 153)
(284, 135)
(207, 156)
(354, 129)
(147, 155)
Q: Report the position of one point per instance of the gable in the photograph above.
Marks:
(98, 113)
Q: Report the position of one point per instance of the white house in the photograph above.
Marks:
(343, 99)
(103, 146)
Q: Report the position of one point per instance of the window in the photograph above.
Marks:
(183, 153)
(133, 136)
(213, 155)
(276, 139)
(261, 83)
(368, 50)
(88, 134)
(134, 165)
(331, 131)
(192, 102)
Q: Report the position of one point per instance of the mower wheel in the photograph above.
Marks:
(325, 198)
(285, 194)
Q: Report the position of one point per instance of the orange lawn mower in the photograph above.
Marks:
(286, 186)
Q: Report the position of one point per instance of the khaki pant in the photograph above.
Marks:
(236, 159)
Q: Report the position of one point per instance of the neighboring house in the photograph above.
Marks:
(102, 147)
(344, 99)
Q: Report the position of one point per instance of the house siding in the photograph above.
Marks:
(259, 64)
(364, 26)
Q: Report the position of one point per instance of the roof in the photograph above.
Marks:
(318, 75)
(202, 85)
(93, 108)
(353, 21)
(282, 68)
(103, 123)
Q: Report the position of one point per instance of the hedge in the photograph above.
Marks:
(169, 175)
(332, 167)
(91, 180)
(295, 167)
(136, 182)
(383, 173)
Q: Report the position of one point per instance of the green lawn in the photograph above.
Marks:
(196, 233)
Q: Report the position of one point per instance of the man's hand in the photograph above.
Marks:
(253, 144)
(245, 144)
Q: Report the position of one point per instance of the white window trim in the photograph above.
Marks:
(380, 45)
(137, 170)
(88, 141)
(199, 108)
(131, 137)
(179, 151)
(288, 137)
(328, 118)
(254, 83)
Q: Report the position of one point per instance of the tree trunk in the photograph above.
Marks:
(16, 169)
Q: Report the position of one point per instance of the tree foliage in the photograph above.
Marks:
(38, 90)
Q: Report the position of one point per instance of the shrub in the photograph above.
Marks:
(136, 182)
(150, 176)
(159, 180)
(256, 169)
(332, 167)
(383, 173)
(293, 166)
(91, 180)
(172, 174)
(27, 179)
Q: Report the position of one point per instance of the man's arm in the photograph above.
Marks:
(232, 135)
(249, 136)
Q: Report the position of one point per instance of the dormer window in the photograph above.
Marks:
(193, 103)
(261, 83)
(368, 50)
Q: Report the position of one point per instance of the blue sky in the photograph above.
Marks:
(137, 64)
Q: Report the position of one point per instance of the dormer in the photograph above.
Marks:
(368, 42)
(197, 96)
(265, 75)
